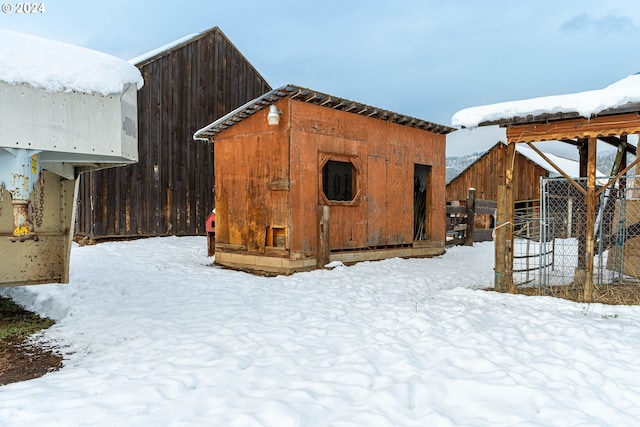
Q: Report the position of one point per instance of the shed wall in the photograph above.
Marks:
(270, 177)
(380, 148)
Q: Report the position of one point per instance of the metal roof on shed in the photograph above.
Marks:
(314, 97)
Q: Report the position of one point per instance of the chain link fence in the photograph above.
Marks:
(550, 240)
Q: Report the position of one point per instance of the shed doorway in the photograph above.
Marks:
(421, 202)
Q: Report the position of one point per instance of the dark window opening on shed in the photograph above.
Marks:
(338, 181)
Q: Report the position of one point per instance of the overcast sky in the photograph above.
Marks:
(426, 59)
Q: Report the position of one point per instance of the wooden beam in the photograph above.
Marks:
(501, 237)
(618, 141)
(510, 214)
(323, 250)
(581, 226)
(601, 126)
(582, 152)
(571, 142)
(620, 174)
(558, 169)
(503, 281)
(471, 216)
(591, 217)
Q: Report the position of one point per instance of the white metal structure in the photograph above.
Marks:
(49, 134)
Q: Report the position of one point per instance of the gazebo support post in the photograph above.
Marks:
(504, 227)
(579, 276)
(591, 217)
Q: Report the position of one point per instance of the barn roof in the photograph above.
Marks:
(166, 48)
(313, 97)
(622, 96)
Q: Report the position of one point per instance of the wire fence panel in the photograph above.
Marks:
(560, 242)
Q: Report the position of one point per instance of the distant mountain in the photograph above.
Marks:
(455, 165)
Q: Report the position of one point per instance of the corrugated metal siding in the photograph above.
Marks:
(170, 190)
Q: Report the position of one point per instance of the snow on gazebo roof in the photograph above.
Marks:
(60, 67)
(613, 98)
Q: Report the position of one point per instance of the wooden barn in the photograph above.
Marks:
(170, 190)
(304, 178)
(484, 175)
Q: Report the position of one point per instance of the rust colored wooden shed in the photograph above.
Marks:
(191, 81)
(333, 180)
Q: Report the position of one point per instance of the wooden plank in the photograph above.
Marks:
(509, 215)
(453, 210)
(377, 232)
(591, 217)
(600, 126)
(471, 209)
(483, 235)
(486, 204)
(485, 211)
(324, 234)
(501, 238)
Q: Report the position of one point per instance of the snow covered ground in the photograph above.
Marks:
(156, 336)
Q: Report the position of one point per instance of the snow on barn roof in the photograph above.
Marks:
(154, 52)
(621, 96)
(570, 167)
(60, 67)
(313, 97)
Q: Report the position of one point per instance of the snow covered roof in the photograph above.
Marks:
(154, 52)
(621, 96)
(313, 97)
(570, 167)
(60, 67)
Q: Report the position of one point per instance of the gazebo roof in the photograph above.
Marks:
(620, 97)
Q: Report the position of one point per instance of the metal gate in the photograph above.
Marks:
(549, 251)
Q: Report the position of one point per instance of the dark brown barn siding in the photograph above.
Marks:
(485, 174)
(170, 190)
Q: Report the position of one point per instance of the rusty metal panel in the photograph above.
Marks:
(45, 259)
